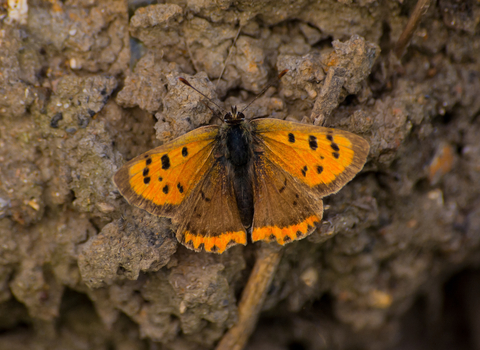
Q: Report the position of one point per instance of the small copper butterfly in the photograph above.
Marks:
(266, 176)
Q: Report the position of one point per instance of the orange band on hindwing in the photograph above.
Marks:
(286, 234)
(214, 244)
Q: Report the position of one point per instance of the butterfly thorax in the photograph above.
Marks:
(236, 138)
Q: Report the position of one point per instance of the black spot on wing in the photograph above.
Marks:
(180, 188)
(184, 151)
(291, 138)
(165, 189)
(334, 146)
(319, 169)
(312, 142)
(165, 162)
(149, 161)
(281, 189)
(146, 180)
(160, 179)
(205, 198)
(145, 172)
(304, 170)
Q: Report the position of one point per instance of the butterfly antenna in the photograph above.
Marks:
(228, 56)
(183, 80)
(282, 73)
(216, 114)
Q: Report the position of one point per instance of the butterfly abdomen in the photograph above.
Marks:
(239, 158)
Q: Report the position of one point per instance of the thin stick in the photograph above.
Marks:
(252, 299)
(420, 9)
(228, 56)
(282, 73)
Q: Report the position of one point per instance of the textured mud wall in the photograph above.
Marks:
(87, 85)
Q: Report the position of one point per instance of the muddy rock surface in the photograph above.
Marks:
(87, 85)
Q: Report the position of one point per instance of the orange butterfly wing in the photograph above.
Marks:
(285, 209)
(162, 178)
(210, 217)
(322, 158)
(184, 180)
(297, 165)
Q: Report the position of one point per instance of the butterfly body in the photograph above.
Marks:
(265, 175)
(238, 158)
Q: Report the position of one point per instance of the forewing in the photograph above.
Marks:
(162, 178)
(324, 159)
(210, 217)
(285, 209)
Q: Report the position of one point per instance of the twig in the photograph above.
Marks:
(253, 297)
(420, 9)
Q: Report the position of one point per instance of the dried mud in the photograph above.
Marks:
(86, 86)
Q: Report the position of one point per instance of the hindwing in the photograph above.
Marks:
(210, 217)
(284, 208)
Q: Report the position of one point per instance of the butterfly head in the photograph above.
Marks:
(234, 117)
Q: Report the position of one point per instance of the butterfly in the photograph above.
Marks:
(265, 176)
